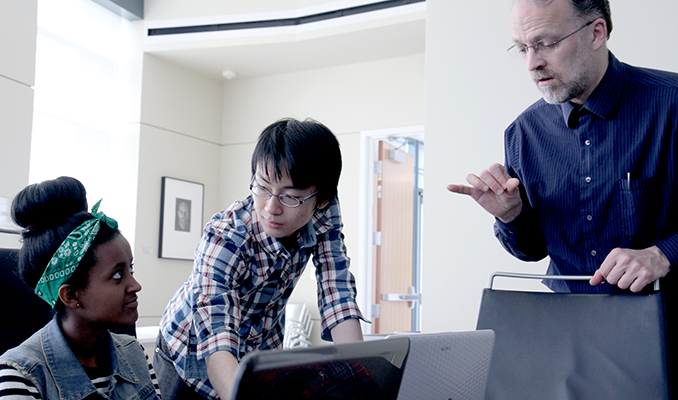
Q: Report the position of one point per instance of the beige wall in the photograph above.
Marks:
(474, 90)
(381, 94)
(179, 138)
(348, 99)
(18, 29)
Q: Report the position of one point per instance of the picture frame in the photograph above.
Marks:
(181, 213)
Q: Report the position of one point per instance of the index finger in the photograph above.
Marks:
(460, 189)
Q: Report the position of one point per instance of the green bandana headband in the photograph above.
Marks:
(69, 254)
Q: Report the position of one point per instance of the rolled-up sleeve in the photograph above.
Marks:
(217, 306)
(336, 284)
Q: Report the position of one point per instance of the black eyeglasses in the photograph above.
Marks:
(285, 199)
(519, 51)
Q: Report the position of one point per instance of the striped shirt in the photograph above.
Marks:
(597, 178)
(235, 297)
(14, 385)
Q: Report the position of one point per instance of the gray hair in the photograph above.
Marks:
(586, 9)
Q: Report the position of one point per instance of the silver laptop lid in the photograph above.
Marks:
(447, 366)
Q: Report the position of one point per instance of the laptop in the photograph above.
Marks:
(447, 366)
(352, 371)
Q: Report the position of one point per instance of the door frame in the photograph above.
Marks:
(368, 147)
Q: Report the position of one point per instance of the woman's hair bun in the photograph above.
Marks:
(47, 204)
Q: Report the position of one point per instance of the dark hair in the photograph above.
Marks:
(598, 8)
(48, 212)
(306, 150)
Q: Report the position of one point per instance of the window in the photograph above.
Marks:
(83, 108)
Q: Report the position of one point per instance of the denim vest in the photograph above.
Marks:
(47, 360)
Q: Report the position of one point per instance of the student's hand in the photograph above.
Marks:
(495, 191)
(221, 367)
(632, 269)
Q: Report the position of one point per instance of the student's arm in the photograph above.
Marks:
(221, 366)
(151, 371)
(14, 385)
(336, 284)
(347, 331)
(216, 312)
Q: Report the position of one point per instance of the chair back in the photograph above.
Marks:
(576, 346)
(22, 312)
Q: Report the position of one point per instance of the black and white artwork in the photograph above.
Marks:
(181, 212)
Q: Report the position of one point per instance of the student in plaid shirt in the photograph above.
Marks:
(249, 260)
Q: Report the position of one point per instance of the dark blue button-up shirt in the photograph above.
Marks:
(596, 178)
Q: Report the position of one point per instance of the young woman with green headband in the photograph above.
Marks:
(81, 265)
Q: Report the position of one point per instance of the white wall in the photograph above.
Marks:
(474, 90)
(18, 30)
(348, 99)
(180, 133)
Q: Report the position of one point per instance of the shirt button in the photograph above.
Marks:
(593, 253)
(587, 142)
(589, 217)
(588, 179)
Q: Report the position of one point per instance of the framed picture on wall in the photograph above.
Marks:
(181, 209)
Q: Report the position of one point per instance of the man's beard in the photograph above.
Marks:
(563, 91)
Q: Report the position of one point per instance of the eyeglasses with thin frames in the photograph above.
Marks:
(519, 51)
(285, 199)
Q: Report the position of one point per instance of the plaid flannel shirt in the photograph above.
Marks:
(235, 297)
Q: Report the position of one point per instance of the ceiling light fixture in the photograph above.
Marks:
(228, 74)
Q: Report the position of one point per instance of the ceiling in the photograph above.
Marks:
(268, 51)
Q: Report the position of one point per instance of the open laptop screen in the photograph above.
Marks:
(352, 371)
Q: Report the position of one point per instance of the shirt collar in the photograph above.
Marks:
(320, 223)
(571, 113)
(69, 376)
(605, 98)
(270, 244)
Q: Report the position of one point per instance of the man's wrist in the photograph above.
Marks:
(663, 260)
(511, 215)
